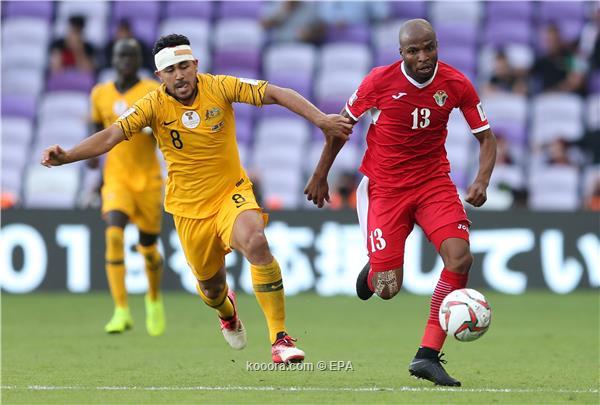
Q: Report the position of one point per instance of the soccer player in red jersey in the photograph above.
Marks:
(406, 176)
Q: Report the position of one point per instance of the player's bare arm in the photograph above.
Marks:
(96, 145)
(317, 188)
(333, 125)
(476, 193)
(94, 163)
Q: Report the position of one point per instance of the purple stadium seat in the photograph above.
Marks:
(240, 9)
(456, 34)
(509, 10)
(70, 80)
(463, 58)
(513, 132)
(570, 29)
(143, 29)
(243, 129)
(247, 59)
(244, 111)
(551, 11)
(408, 9)
(189, 9)
(386, 57)
(594, 82)
(19, 106)
(331, 105)
(357, 33)
(502, 33)
(299, 81)
(275, 111)
(39, 9)
(148, 10)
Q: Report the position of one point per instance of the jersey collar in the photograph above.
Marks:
(416, 83)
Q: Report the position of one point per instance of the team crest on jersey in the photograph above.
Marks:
(120, 106)
(190, 119)
(440, 97)
(212, 113)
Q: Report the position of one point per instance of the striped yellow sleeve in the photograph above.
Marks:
(136, 117)
(240, 90)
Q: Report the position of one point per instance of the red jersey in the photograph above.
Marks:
(405, 142)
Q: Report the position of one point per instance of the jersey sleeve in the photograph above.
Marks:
(95, 115)
(136, 117)
(472, 110)
(363, 99)
(241, 90)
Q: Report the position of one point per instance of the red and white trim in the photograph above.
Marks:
(362, 206)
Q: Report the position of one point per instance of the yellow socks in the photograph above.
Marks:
(115, 265)
(154, 268)
(268, 287)
(222, 303)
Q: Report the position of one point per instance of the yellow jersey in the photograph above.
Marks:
(198, 141)
(134, 163)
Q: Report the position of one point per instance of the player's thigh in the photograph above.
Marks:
(234, 228)
(148, 210)
(203, 250)
(389, 220)
(117, 197)
(440, 212)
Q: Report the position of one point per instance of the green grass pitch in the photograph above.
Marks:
(541, 348)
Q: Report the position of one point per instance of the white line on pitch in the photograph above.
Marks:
(300, 389)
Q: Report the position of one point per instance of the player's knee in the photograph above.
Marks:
(212, 291)
(460, 263)
(386, 284)
(256, 246)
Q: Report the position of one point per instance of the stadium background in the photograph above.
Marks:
(536, 65)
(536, 243)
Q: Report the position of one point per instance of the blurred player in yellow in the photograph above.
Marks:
(132, 190)
(208, 191)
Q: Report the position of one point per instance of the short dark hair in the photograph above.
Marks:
(77, 22)
(168, 41)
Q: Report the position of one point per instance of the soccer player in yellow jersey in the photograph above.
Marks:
(132, 190)
(208, 191)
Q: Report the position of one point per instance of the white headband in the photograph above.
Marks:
(171, 56)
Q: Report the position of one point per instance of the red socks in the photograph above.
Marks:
(434, 335)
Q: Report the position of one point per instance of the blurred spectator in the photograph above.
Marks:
(344, 193)
(508, 176)
(344, 13)
(558, 69)
(589, 43)
(72, 51)
(124, 31)
(289, 21)
(558, 153)
(506, 79)
(592, 202)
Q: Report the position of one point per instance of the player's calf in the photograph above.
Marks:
(386, 284)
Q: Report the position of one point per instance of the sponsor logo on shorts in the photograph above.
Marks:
(463, 227)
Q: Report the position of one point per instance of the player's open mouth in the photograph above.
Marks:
(180, 85)
(425, 69)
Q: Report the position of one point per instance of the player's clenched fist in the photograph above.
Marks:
(336, 126)
(317, 191)
(476, 194)
(54, 156)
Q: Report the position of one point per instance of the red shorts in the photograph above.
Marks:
(387, 216)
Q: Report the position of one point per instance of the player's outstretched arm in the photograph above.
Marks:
(333, 125)
(97, 144)
(317, 188)
(476, 193)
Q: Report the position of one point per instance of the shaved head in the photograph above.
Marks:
(418, 47)
(413, 30)
(127, 57)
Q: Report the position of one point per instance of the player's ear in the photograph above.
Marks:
(157, 74)
(196, 63)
